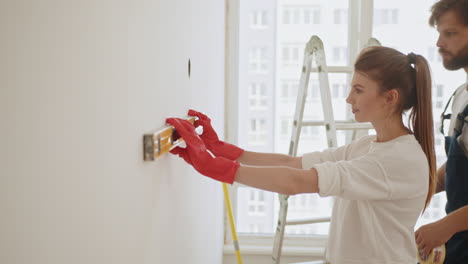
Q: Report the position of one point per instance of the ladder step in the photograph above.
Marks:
(309, 221)
(312, 262)
(331, 69)
(353, 126)
(340, 125)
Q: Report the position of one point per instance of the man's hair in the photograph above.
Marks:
(460, 7)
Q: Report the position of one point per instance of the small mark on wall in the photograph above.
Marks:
(189, 68)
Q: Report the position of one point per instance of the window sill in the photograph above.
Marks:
(290, 251)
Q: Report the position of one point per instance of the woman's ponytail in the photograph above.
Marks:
(421, 119)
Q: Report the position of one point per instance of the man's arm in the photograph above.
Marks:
(269, 159)
(435, 234)
(457, 221)
(441, 178)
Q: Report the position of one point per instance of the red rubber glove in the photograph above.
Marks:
(217, 168)
(181, 152)
(210, 138)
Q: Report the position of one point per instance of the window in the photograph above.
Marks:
(289, 89)
(296, 16)
(259, 19)
(258, 99)
(286, 56)
(339, 91)
(301, 15)
(286, 16)
(345, 90)
(315, 89)
(309, 132)
(340, 55)
(313, 16)
(439, 90)
(433, 55)
(290, 54)
(258, 61)
(385, 16)
(430, 53)
(335, 90)
(340, 16)
(257, 132)
(285, 127)
(256, 203)
(308, 18)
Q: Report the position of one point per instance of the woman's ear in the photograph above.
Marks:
(392, 97)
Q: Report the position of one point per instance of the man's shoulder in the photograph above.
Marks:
(460, 99)
(461, 90)
(460, 103)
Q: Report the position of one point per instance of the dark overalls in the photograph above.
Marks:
(456, 187)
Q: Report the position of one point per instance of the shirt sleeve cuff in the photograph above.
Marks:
(310, 159)
(328, 181)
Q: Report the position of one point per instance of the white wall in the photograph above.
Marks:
(80, 83)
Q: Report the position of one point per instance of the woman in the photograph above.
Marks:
(381, 182)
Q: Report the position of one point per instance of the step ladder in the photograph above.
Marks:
(313, 50)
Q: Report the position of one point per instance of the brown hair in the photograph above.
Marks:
(460, 7)
(392, 69)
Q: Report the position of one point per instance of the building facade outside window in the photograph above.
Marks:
(301, 15)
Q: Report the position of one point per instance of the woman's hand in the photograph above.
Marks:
(196, 154)
(210, 138)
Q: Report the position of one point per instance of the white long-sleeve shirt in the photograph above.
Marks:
(380, 191)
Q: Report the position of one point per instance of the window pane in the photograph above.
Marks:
(286, 17)
(307, 15)
(296, 16)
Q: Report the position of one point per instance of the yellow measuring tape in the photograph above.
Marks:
(231, 222)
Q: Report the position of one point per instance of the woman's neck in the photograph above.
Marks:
(390, 129)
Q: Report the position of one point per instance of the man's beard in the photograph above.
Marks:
(457, 61)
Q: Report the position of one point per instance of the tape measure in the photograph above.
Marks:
(437, 256)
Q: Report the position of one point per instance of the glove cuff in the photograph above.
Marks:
(230, 175)
(226, 150)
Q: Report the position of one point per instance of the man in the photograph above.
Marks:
(450, 17)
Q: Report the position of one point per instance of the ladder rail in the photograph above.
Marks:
(324, 84)
(316, 220)
(313, 49)
(298, 114)
(340, 125)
